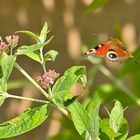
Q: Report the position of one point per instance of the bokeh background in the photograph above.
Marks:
(72, 28)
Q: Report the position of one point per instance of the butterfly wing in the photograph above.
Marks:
(119, 50)
(100, 50)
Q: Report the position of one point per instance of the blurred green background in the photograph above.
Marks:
(74, 29)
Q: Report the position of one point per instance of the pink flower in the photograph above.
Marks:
(3, 47)
(47, 79)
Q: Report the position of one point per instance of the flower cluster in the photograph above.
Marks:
(12, 40)
(48, 78)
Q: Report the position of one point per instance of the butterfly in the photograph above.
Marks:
(114, 50)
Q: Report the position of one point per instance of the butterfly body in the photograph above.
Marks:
(113, 49)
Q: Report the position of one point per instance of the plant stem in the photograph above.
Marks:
(7, 95)
(31, 80)
(64, 111)
(23, 98)
(42, 60)
(11, 50)
(50, 91)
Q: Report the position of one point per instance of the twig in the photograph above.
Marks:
(7, 95)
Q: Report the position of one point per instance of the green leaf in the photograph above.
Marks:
(61, 97)
(105, 128)
(31, 34)
(93, 112)
(50, 55)
(25, 122)
(70, 101)
(7, 63)
(123, 130)
(31, 48)
(70, 77)
(103, 136)
(64, 83)
(135, 137)
(95, 5)
(34, 55)
(80, 118)
(116, 117)
(62, 86)
(43, 33)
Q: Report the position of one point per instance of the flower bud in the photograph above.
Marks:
(12, 40)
